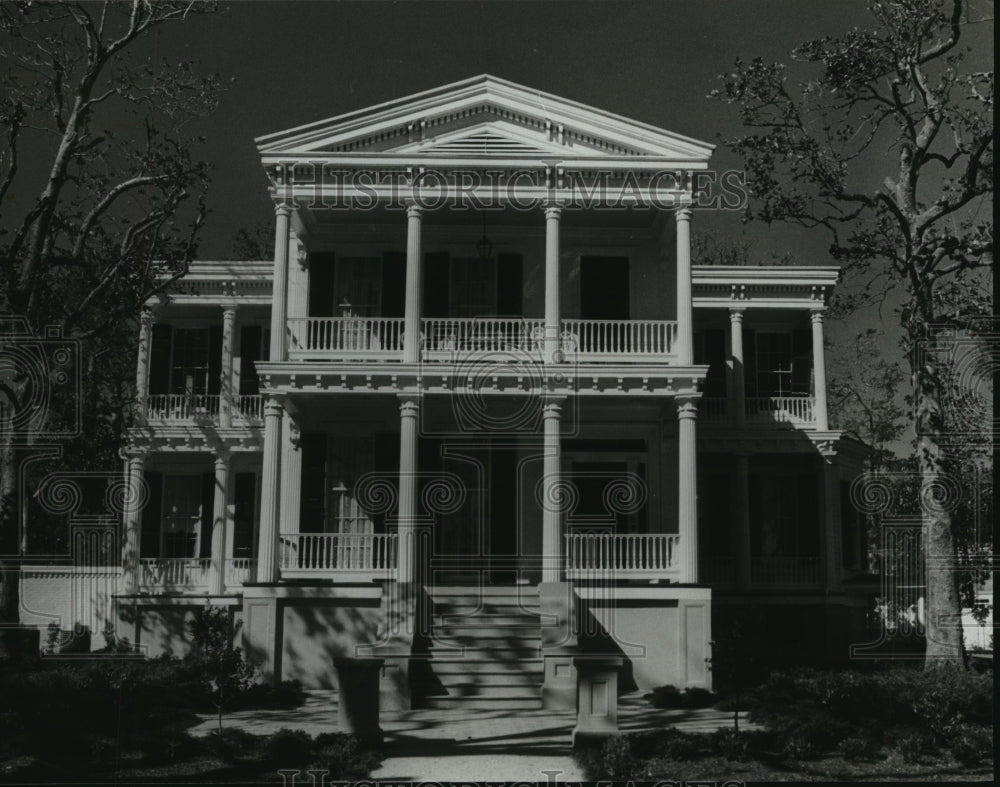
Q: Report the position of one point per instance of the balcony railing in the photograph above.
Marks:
(185, 573)
(624, 340)
(762, 410)
(361, 556)
(239, 571)
(347, 338)
(606, 555)
(247, 408)
(784, 571)
(445, 339)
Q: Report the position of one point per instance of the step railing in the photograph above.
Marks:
(620, 340)
(339, 555)
(784, 571)
(646, 556)
(345, 338)
(183, 573)
(182, 407)
(450, 338)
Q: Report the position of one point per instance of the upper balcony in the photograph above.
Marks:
(450, 339)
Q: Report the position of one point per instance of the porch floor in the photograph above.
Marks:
(456, 744)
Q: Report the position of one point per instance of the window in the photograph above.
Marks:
(189, 374)
(784, 515)
(473, 287)
(357, 281)
(182, 514)
(774, 364)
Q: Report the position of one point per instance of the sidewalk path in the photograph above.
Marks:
(475, 745)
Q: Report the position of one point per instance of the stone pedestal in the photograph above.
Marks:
(358, 697)
(596, 698)
(559, 645)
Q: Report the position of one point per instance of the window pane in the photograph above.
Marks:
(190, 361)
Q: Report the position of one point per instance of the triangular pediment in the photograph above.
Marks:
(483, 117)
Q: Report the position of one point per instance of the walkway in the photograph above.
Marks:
(455, 745)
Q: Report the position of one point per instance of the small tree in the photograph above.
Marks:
(222, 668)
(737, 663)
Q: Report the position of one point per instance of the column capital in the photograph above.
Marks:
(148, 316)
(683, 213)
(552, 406)
(273, 406)
(409, 404)
(229, 311)
(553, 212)
(816, 315)
(687, 407)
(736, 313)
(414, 211)
(283, 209)
(136, 455)
(222, 460)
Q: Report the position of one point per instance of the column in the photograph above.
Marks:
(743, 521)
(409, 411)
(132, 516)
(737, 396)
(227, 400)
(217, 581)
(552, 326)
(819, 371)
(552, 510)
(147, 319)
(414, 285)
(687, 487)
(267, 543)
(279, 292)
(685, 317)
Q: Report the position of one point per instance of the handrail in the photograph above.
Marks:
(619, 337)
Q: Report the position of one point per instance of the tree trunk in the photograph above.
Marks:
(943, 608)
(9, 537)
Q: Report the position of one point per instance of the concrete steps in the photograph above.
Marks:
(484, 649)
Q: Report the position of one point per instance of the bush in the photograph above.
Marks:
(970, 744)
(618, 761)
(731, 744)
(264, 696)
(165, 748)
(669, 697)
(289, 748)
(949, 696)
(232, 744)
(856, 749)
(344, 757)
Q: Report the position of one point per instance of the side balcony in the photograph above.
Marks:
(761, 411)
(381, 338)
(244, 410)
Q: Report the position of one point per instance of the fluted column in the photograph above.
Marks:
(414, 285)
(737, 398)
(685, 312)
(132, 517)
(409, 412)
(217, 577)
(552, 316)
(552, 509)
(227, 399)
(279, 291)
(687, 487)
(267, 542)
(743, 521)
(146, 321)
(819, 371)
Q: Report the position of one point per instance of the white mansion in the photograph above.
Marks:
(473, 420)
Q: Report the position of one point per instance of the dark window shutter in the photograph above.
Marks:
(436, 299)
(312, 507)
(245, 508)
(715, 357)
(510, 285)
(159, 360)
(215, 360)
(321, 284)
(393, 284)
(750, 361)
(207, 508)
(250, 339)
(149, 545)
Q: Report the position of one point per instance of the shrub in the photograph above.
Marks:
(669, 697)
(264, 696)
(950, 696)
(970, 743)
(344, 757)
(618, 762)
(856, 749)
(731, 744)
(289, 748)
(164, 748)
(232, 743)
